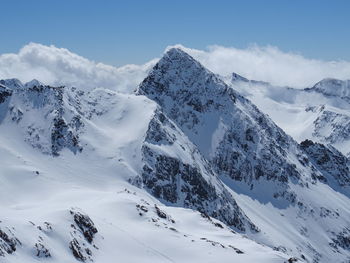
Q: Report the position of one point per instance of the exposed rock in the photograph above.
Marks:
(341, 240)
(187, 182)
(333, 164)
(77, 250)
(83, 232)
(42, 251)
(8, 242)
(4, 93)
(62, 136)
(85, 224)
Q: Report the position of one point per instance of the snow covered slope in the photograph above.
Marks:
(66, 200)
(185, 170)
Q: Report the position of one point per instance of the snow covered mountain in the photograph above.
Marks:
(67, 157)
(185, 170)
(333, 88)
(320, 112)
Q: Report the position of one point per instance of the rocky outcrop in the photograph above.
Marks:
(341, 240)
(57, 124)
(333, 164)
(63, 136)
(4, 93)
(83, 230)
(8, 242)
(185, 180)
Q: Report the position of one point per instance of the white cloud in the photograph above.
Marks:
(59, 66)
(269, 64)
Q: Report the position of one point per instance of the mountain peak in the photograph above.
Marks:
(237, 77)
(178, 57)
(178, 72)
(12, 83)
(33, 83)
(175, 51)
(332, 87)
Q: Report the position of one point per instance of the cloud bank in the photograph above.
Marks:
(59, 66)
(269, 64)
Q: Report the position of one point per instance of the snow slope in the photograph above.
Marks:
(48, 197)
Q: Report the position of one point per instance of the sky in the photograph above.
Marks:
(114, 44)
(136, 31)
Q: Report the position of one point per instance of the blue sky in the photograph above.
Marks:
(120, 32)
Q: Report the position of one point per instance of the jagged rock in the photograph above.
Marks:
(83, 234)
(187, 181)
(42, 251)
(333, 164)
(160, 213)
(63, 137)
(85, 224)
(4, 93)
(60, 121)
(77, 250)
(8, 243)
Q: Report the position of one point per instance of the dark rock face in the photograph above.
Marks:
(85, 224)
(41, 96)
(5, 97)
(187, 182)
(8, 243)
(77, 250)
(333, 164)
(4, 93)
(63, 136)
(160, 213)
(83, 230)
(240, 159)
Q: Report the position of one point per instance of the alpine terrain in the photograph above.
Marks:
(189, 167)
